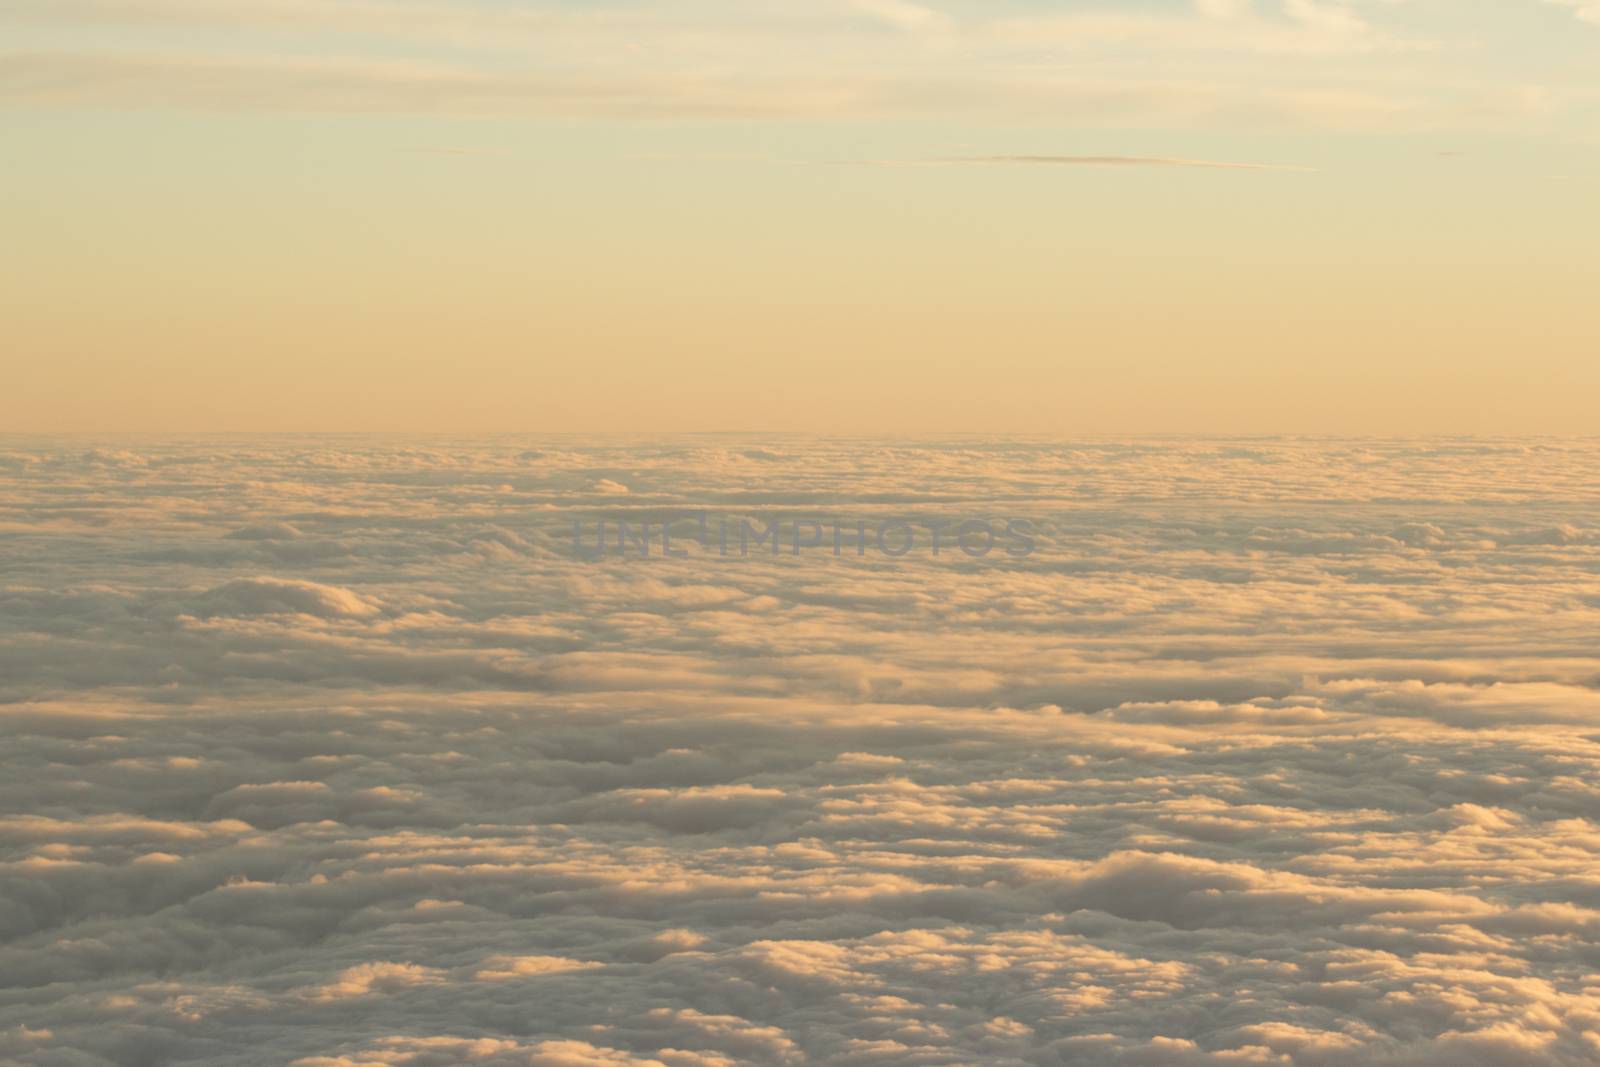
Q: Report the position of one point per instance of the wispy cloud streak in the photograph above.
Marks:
(1084, 161)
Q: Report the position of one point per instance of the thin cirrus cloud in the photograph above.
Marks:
(248, 83)
(1088, 161)
(1297, 62)
(1588, 10)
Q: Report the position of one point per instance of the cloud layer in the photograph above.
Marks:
(332, 752)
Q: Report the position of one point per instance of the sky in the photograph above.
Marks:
(841, 216)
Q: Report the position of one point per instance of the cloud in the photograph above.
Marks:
(1091, 161)
(1274, 751)
(1211, 65)
(153, 79)
(273, 596)
(1587, 10)
(505, 968)
(369, 978)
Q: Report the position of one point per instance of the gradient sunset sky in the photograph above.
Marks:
(829, 215)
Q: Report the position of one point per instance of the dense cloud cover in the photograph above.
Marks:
(333, 753)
